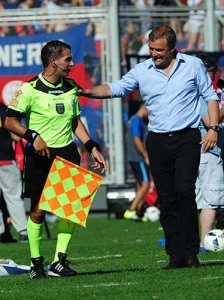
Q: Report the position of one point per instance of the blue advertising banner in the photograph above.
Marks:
(20, 57)
(20, 61)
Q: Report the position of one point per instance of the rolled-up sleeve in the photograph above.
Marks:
(205, 86)
(127, 84)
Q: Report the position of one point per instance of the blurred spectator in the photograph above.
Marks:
(125, 3)
(88, 3)
(142, 3)
(91, 58)
(171, 21)
(144, 50)
(220, 211)
(126, 29)
(26, 4)
(132, 45)
(51, 7)
(195, 26)
(10, 4)
(85, 2)
(144, 21)
(220, 4)
(220, 91)
(138, 160)
(77, 2)
(24, 29)
(10, 179)
(210, 179)
(96, 2)
(5, 234)
(4, 30)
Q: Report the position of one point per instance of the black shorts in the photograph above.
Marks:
(36, 169)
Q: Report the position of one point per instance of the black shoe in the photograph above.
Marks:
(37, 271)
(172, 266)
(23, 238)
(4, 239)
(61, 267)
(191, 261)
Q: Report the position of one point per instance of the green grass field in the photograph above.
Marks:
(130, 260)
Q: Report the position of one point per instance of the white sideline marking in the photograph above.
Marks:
(160, 261)
(209, 278)
(211, 260)
(106, 284)
(96, 257)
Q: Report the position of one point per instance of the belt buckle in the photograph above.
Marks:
(170, 134)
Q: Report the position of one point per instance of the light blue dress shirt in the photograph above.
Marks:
(173, 101)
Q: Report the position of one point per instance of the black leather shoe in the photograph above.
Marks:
(191, 261)
(172, 266)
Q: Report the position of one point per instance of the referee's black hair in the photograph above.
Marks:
(52, 49)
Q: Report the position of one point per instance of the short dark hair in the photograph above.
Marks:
(52, 49)
(162, 32)
(209, 62)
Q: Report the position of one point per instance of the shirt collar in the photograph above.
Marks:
(47, 83)
(179, 57)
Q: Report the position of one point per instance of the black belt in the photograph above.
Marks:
(171, 133)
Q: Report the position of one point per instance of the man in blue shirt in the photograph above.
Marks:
(171, 85)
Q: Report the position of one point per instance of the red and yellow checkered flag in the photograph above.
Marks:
(69, 191)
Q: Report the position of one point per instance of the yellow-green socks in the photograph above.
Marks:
(34, 232)
(65, 231)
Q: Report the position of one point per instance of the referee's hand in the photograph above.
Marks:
(40, 147)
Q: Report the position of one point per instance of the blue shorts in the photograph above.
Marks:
(141, 171)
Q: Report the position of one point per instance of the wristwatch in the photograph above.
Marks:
(214, 127)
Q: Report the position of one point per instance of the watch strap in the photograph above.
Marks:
(214, 127)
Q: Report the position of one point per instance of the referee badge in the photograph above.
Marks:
(60, 108)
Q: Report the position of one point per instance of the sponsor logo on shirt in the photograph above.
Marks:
(56, 92)
(14, 100)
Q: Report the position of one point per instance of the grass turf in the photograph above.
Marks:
(115, 259)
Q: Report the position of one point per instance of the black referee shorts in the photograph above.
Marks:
(36, 169)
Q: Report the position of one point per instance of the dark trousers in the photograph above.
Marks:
(174, 161)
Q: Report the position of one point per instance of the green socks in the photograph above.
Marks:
(34, 232)
(65, 231)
